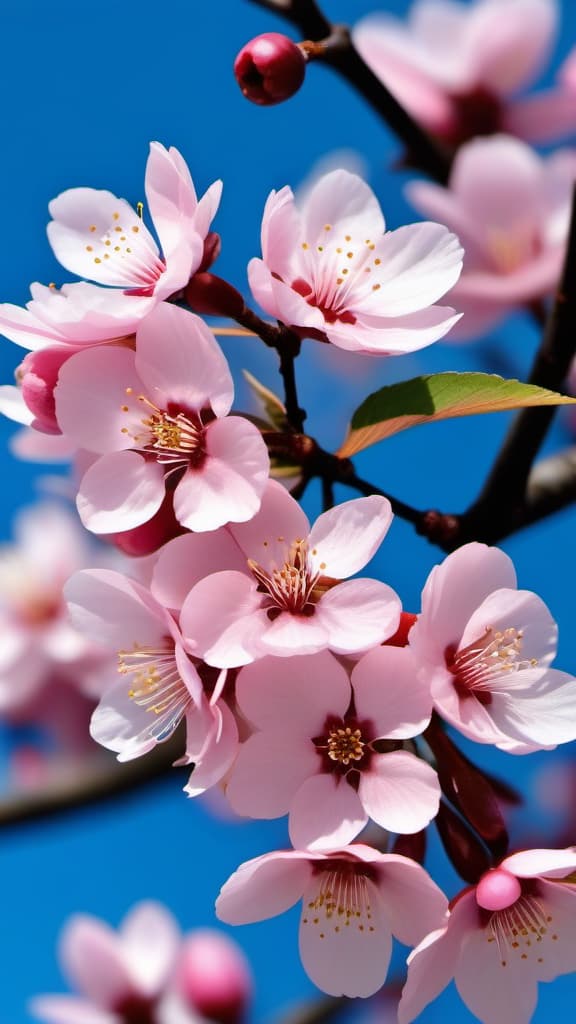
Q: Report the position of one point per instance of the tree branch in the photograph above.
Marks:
(338, 51)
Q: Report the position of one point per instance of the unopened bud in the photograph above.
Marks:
(400, 638)
(214, 977)
(270, 69)
(212, 296)
(38, 376)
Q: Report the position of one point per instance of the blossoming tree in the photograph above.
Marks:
(217, 623)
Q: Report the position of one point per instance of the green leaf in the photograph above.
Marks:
(274, 410)
(438, 397)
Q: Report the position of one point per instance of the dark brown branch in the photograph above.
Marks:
(338, 51)
(98, 780)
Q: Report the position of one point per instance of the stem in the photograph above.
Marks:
(294, 414)
(327, 494)
(339, 52)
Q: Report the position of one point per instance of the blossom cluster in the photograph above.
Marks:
(303, 689)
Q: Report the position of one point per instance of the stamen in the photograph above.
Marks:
(342, 901)
(156, 685)
(478, 666)
(345, 745)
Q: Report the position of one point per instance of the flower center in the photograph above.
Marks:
(337, 274)
(126, 244)
(174, 437)
(479, 666)
(156, 685)
(342, 900)
(136, 1009)
(520, 930)
(345, 745)
(294, 588)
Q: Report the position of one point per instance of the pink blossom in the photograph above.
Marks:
(100, 237)
(119, 976)
(330, 271)
(214, 976)
(292, 593)
(158, 686)
(515, 928)
(353, 900)
(320, 739)
(485, 649)
(157, 418)
(511, 209)
(43, 658)
(459, 68)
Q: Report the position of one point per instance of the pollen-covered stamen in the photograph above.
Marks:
(293, 588)
(156, 685)
(481, 664)
(127, 245)
(345, 745)
(521, 931)
(175, 438)
(342, 900)
(336, 274)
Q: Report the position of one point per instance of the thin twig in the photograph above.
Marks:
(340, 53)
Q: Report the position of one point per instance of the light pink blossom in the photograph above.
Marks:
(458, 68)
(157, 418)
(320, 738)
(353, 900)
(515, 928)
(485, 649)
(158, 686)
(331, 272)
(511, 208)
(293, 593)
(119, 976)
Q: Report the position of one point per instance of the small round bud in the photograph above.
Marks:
(38, 376)
(270, 69)
(214, 977)
(498, 890)
(210, 295)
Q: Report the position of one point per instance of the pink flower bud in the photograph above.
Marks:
(270, 69)
(38, 376)
(498, 890)
(214, 976)
(212, 296)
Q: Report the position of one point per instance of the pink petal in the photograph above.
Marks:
(150, 939)
(345, 955)
(441, 204)
(84, 219)
(222, 619)
(264, 887)
(453, 592)
(227, 487)
(297, 694)
(413, 903)
(217, 755)
(114, 610)
(392, 336)
(558, 954)
(281, 233)
(120, 491)
(185, 560)
(97, 400)
(268, 536)
(279, 300)
(498, 181)
(358, 614)
(347, 203)
(207, 206)
(93, 961)
(466, 713)
(289, 633)
(522, 610)
(13, 405)
(389, 692)
(419, 264)
(510, 51)
(69, 1010)
(433, 964)
(179, 359)
(541, 863)
(326, 813)
(400, 792)
(269, 770)
(535, 707)
(170, 195)
(493, 992)
(542, 118)
(346, 537)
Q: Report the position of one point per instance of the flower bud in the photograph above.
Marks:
(212, 296)
(214, 977)
(400, 638)
(270, 69)
(38, 376)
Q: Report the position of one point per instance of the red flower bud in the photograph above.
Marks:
(270, 69)
(214, 977)
(38, 376)
(212, 296)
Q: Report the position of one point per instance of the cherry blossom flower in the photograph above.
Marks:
(511, 209)
(458, 68)
(485, 649)
(320, 738)
(157, 418)
(331, 272)
(292, 593)
(514, 929)
(44, 660)
(119, 976)
(353, 900)
(159, 685)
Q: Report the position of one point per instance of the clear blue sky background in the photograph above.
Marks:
(83, 89)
